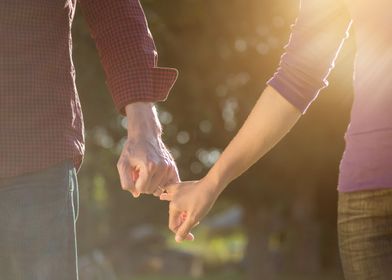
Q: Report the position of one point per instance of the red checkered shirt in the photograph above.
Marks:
(40, 115)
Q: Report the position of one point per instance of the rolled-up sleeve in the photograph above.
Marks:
(127, 52)
(316, 39)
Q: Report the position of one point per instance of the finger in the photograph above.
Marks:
(134, 178)
(190, 237)
(185, 228)
(156, 182)
(158, 192)
(174, 219)
(166, 197)
(134, 192)
(126, 179)
(181, 219)
(135, 175)
(183, 216)
(143, 180)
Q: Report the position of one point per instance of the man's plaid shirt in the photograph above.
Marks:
(40, 115)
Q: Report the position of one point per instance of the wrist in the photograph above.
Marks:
(216, 183)
(142, 119)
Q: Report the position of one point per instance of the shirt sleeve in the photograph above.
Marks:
(127, 52)
(316, 39)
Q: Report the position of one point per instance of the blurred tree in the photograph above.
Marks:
(225, 51)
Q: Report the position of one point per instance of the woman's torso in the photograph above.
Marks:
(367, 161)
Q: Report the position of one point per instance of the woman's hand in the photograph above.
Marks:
(189, 203)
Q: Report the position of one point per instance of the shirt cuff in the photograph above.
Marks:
(152, 85)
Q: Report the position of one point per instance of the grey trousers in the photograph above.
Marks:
(38, 213)
(365, 234)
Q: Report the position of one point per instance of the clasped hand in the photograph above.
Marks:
(147, 167)
(189, 203)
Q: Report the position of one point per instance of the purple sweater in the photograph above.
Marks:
(316, 39)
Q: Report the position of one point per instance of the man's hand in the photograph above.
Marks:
(145, 164)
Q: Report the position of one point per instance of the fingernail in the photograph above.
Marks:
(136, 195)
(190, 237)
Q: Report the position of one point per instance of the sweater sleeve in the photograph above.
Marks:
(127, 52)
(316, 39)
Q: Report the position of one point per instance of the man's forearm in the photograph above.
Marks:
(270, 120)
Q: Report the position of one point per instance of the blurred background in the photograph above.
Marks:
(278, 221)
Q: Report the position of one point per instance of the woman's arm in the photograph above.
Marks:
(315, 42)
(310, 54)
(271, 118)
